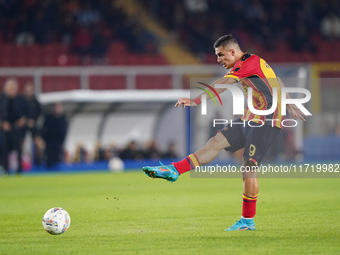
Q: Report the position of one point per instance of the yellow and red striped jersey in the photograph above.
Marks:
(252, 71)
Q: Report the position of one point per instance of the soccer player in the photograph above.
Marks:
(251, 71)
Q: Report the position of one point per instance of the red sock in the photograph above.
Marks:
(249, 206)
(187, 164)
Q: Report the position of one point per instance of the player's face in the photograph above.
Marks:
(226, 56)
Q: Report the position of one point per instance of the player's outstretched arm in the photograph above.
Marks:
(194, 102)
(185, 102)
(293, 110)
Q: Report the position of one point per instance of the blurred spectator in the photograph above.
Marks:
(111, 152)
(34, 112)
(330, 26)
(82, 43)
(152, 151)
(81, 154)
(54, 132)
(66, 29)
(40, 28)
(300, 39)
(171, 151)
(132, 152)
(195, 22)
(196, 6)
(13, 115)
(34, 108)
(99, 152)
(24, 35)
(86, 15)
(99, 48)
(267, 22)
(144, 41)
(38, 151)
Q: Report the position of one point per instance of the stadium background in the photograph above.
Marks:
(118, 67)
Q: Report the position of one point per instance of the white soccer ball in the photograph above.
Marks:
(116, 164)
(56, 221)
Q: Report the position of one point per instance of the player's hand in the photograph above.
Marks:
(295, 112)
(185, 102)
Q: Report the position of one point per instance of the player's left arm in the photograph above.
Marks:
(293, 110)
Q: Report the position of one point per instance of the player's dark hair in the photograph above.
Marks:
(225, 40)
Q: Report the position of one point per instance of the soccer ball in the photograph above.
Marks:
(56, 221)
(116, 164)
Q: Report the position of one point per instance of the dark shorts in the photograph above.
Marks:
(255, 140)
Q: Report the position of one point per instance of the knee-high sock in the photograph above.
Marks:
(249, 206)
(187, 164)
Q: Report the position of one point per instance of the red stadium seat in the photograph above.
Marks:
(6, 60)
(322, 56)
(119, 59)
(20, 56)
(144, 59)
(49, 55)
(57, 83)
(282, 53)
(211, 59)
(154, 82)
(158, 60)
(308, 57)
(107, 82)
(6, 52)
(61, 49)
(73, 60)
(118, 47)
(34, 56)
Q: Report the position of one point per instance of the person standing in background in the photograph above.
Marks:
(13, 116)
(34, 112)
(54, 132)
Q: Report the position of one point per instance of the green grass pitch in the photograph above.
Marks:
(129, 213)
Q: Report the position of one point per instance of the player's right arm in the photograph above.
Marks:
(191, 102)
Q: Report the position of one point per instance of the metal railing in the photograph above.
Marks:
(130, 72)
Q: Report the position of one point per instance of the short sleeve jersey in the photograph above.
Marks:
(252, 71)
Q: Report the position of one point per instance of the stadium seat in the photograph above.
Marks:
(211, 59)
(117, 47)
(56, 83)
(107, 82)
(6, 58)
(20, 56)
(154, 82)
(49, 55)
(34, 55)
(73, 60)
(282, 53)
(295, 57)
(307, 56)
(61, 49)
(159, 60)
(322, 56)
